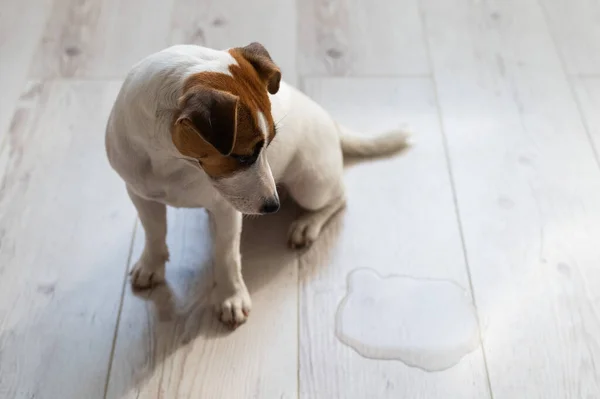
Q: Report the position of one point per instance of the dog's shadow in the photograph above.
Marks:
(161, 327)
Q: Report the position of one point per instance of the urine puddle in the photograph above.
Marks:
(425, 323)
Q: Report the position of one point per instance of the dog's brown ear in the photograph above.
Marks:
(213, 115)
(260, 59)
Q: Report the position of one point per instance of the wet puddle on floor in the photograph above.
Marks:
(425, 323)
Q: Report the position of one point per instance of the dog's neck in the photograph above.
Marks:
(159, 137)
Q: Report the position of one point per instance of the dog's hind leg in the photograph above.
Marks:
(149, 270)
(305, 230)
(321, 200)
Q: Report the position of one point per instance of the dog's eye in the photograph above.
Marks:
(249, 159)
(244, 159)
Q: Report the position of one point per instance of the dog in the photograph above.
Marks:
(197, 127)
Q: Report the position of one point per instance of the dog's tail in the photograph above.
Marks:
(385, 144)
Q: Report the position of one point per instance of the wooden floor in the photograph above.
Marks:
(500, 194)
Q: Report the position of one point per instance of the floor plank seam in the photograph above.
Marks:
(368, 76)
(120, 311)
(454, 195)
(298, 352)
(77, 79)
(583, 75)
(568, 78)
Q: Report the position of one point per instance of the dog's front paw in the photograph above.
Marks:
(147, 273)
(234, 307)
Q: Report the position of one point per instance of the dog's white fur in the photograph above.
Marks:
(305, 156)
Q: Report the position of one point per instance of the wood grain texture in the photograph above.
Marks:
(575, 26)
(65, 234)
(223, 24)
(523, 163)
(588, 95)
(21, 26)
(171, 345)
(100, 38)
(352, 37)
(400, 220)
(528, 190)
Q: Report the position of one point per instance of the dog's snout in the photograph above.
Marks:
(270, 206)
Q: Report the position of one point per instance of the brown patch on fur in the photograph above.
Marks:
(259, 58)
(252, 77)
(212, 114)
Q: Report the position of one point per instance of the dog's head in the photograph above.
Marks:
(224, 121)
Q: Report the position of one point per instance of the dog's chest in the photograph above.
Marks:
(176, 184)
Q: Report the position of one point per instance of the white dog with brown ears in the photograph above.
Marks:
(195, 127)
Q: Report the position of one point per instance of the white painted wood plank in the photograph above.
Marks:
(100, 38)
(104, 38)
(65, 232)
(575, 25)
(223, 24)
(354, 37)
(21, 25)
(528, 190)
(170, 344)
(400, 220)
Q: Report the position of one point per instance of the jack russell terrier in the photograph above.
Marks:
(195, 127)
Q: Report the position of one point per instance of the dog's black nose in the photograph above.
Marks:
(270, 206)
